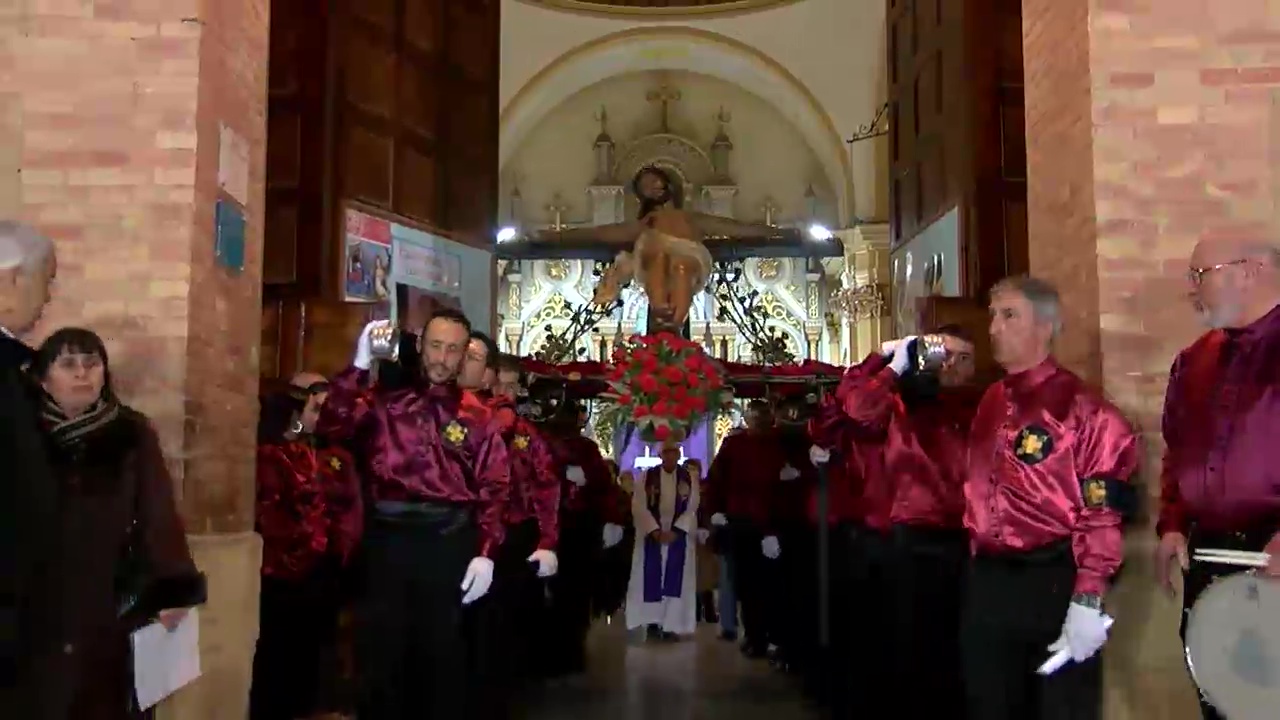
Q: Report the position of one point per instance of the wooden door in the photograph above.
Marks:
(390, 103)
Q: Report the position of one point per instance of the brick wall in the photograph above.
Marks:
(109, 111)
(1181, 142)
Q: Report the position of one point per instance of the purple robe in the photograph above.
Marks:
(665, 581)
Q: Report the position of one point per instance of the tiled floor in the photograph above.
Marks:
(702, 679)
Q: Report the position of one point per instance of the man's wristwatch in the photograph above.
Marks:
(1089, 600)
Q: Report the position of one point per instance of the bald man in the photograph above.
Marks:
(1220, 485)
(28, 501)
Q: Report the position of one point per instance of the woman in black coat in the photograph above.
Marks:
(122, 553)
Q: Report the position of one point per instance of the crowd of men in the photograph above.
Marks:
(974, 531)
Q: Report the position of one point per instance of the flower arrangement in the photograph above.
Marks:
(663, 385)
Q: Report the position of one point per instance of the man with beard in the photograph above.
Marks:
(1220, 487)
(741, 484)
(588, 514)
(437, 480)
(1046, 481)
(28, 497)
(920, 417)
(502, 622)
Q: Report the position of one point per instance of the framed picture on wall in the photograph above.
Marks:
(926, 266)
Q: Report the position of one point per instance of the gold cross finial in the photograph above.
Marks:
(769, 209)
(664, 95)
(557, 208)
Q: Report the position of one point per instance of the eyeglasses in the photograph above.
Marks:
(1196, 274)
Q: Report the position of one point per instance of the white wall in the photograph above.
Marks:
(836, 48)
(770, 159)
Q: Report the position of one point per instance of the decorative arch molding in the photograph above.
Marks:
(659, 10)
(692, 50)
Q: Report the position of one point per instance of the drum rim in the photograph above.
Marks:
(1186, 644)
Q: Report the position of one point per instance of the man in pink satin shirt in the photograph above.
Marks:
(1046, 484)
(1220, 484)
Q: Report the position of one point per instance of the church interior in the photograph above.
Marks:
(224, 180)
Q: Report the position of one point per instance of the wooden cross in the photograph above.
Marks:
(557, 208)
(664, 95)
(768, 208)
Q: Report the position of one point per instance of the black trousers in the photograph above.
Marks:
(1200, 576)
(411, 643)
(866, 654)
(295, 660)
(928, 583)
(500, 623)
(795, 596)
(751, 583)
(563, 637)
(1015, 605)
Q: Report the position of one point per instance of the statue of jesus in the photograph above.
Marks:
(665, 249)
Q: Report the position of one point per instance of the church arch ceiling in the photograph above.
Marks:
(650, 9)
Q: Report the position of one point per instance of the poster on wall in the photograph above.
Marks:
(422, 270)
(927, 265)
(366, 258)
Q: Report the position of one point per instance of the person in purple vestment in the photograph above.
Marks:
(662, 594)
(1220, 485)
(436, 481)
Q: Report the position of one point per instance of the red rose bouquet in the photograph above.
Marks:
(663, 385)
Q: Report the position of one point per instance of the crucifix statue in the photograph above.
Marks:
(668, 249)
(664, 95)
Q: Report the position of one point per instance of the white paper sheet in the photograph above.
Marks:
(164, 661)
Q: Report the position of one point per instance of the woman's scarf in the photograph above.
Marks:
(67, 431)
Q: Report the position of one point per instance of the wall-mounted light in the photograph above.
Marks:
(507, 234)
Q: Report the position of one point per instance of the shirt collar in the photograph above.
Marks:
(5, 332)
(1265, 325)
(1032, 377)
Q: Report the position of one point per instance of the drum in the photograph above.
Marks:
(1233, 646)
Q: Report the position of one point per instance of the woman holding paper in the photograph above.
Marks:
(123, 557)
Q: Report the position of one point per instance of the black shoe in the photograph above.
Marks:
(754, 651)
(729, 635)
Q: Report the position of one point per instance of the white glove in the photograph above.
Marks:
(818, 456)
(719, 520)
(547, 561)
(612, 534)
(1083, 633)
(770, 547)
(478, 580)
(788, 473)
(887, 347)
(703, 536)
(574, 474)
(900, 358)
(364, 354)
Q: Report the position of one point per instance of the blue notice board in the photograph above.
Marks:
(228, 234)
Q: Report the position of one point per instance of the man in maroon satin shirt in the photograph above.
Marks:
(589, 523)
(921, 420)
(1047, 482)
(741, 483)
(1220, 485)
(502, 622)
(436, 476)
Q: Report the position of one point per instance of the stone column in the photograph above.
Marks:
(867, 252)
(606, 203)
(1149, 127)
(718, 199)
(112, 114)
